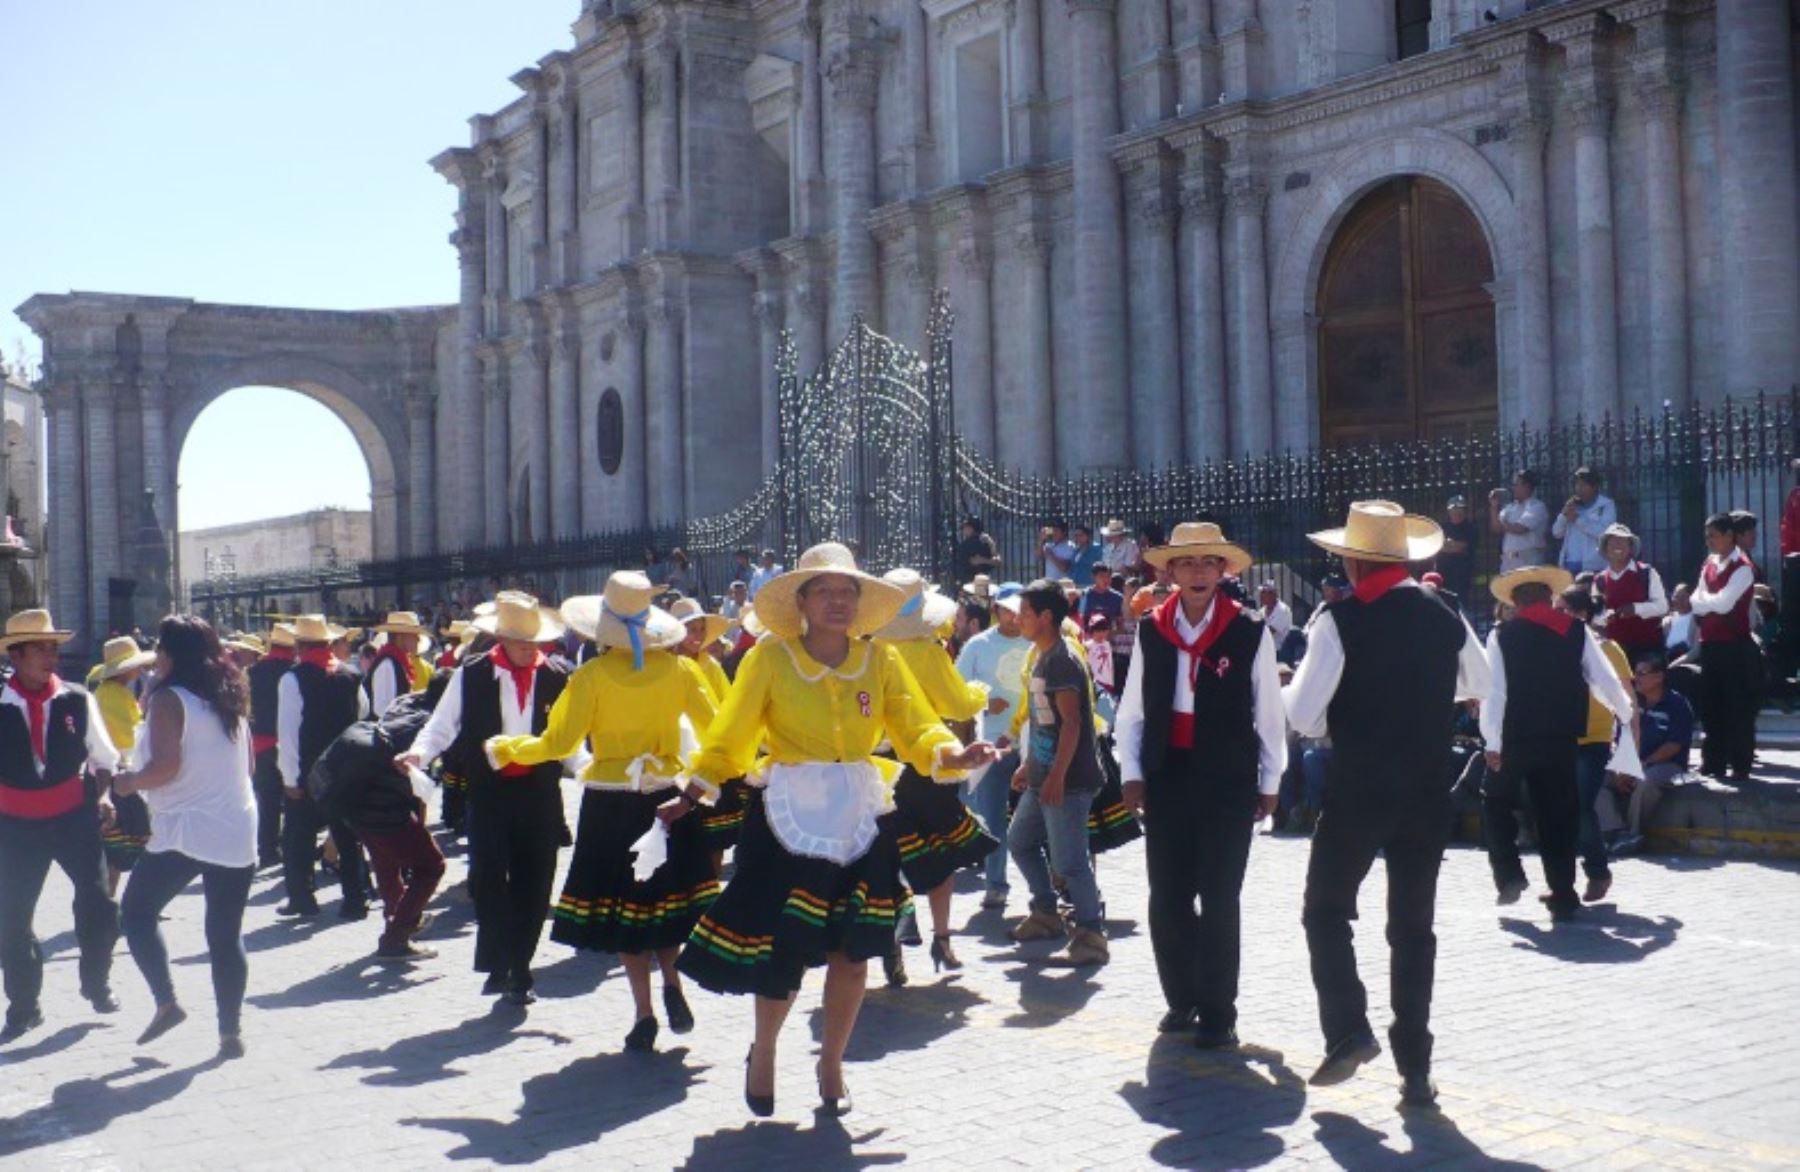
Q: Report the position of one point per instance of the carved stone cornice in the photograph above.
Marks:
(1033, 241)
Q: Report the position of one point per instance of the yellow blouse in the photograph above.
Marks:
(716, 679)
(120, 712)
(623, 714)
(422, 672)
(950, 696)
(1600, 717)
(807, 712)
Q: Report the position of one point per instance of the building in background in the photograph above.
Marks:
(22, 472)
(323, 539)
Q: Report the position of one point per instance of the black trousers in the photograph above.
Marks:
(1196, 847)
(1729, 677)
(27, 848)
(514, 831)
(1544, 776)
(301, 822)
(269, 802)
(1411, 832)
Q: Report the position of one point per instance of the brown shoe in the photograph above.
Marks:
(1038, 926)
(1597, 889)
(1086, 947)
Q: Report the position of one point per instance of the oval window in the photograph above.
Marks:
(611, 431)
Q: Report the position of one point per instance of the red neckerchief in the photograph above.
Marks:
(1547, 617)
(1373, 586)
(36, 708)
(400, 658)
(521, 676)
(1224, 609)
(447, 659)
(281, 654)
(321, 658)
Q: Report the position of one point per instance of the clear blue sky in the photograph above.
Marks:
(269, 153)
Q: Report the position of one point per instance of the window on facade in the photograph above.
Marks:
(611, 431)
(1412, 20)
(980, 108)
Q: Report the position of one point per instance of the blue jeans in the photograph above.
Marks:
(1590, 776)
(156, 880)
(988, 802)
(1062, 832)
(1313, 766)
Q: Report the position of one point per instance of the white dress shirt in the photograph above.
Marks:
(1265, 699)
(441, 730)
(1280, 620)
(1657, 605)
(103, 756)
(1602, 681)
(1740, 577)
(290, 710)
(1309, 694)
(385, 684)
(1518, 550)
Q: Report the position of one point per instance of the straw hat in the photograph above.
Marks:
(609, 619)
(120, 655)
(1555, 577)
(517, 615)
(924, 611)
(982, 587)
(1114, 528)
(313, 628)
(1200, 539)
(281, 635)
(1618, 529)
(249, 643)
(33, 626)
(402, 622)
(458, 631)
(752, 625)
(1382, 531)
(689, 611)
(778, 602)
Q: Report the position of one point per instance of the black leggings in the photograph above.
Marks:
(158, 879)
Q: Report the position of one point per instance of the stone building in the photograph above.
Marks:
(1172, 230)
(323, 539)
(22, 471)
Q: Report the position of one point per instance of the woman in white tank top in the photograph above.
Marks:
(196, 779)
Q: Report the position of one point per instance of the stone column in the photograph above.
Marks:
(1026, 402)
(1588, 107)
(631, 156)
(564, 424)
(1659, 98)
(1241, 47)
(494, 212)
(565, 206)
(421, 442)
(153, 416)
(1207, 415)
(496, 447)
(536, 416)
(854, 75)
(1252, 404)
(1758, 217)
(103, 531)
(663, 415)
(68, 513)
(812, 137)
(1158, 82)
(633, 491)
(919, 147)
(1156, 334)
(464, 445)
(767, 308)
(1529, 395)
(972, 356)
(1025, 40)
(665, 106)
(1201, 76)
(539, 211)
(1092, 425)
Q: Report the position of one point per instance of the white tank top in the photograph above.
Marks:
(208, 810)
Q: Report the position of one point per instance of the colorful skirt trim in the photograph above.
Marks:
(604, 907)
(126, 838)
(935, 833)
(783, 913)
(724, 821)
(1111, 824)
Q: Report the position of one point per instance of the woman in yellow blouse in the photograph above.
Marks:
(720, 823)
(627, 703)
(937, 835)
(817, 878)
(121, 663)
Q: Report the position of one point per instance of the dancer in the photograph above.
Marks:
(628, 703)
(317, 700)
(721, 821)
(399, 669)
(265, 710)
(817, 876)
(515, 812)
(1203, 744)
(196, 779)
(50, 732)
(121, 667)
(1384, 670)
(938, 836)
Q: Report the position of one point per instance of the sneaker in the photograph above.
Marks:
(1038, 926)
(995, 898)
(1086, 947)
(405, 952)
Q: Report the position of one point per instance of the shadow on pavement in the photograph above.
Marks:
(573, 1107)
(1436, 1142)
(825, 1145)
(575, 975)
(1602, 935)
(356, 981)
(50, 1044)
(84, 1106)
(1047, 994)
(426, 1058)
(1225, 1107)
(896, 1020)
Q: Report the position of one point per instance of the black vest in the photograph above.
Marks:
(265, 695)
(1391, 717)
(481, 684)
(1546, 694)
(401, 684)
(1225, 741)
(328, 707)
(65, 741)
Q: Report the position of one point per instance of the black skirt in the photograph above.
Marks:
(603, 906)
(935, 832)
(124, 840)
(783, 913)
(721, 824)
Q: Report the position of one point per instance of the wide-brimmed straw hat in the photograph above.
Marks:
(281, 635)
(982, 587)
(1555, 577)
(1200, 539)
(517, 615)
(924, 611)
(1619, 529)
(315, 628)
(458, 630)
(1382, 531)
(122, 654)
(624, 617)
(689, 611)
(1114, 528)
(245, 642)
(33, 626)
(778, 602)
(752, 625)
(402, 622)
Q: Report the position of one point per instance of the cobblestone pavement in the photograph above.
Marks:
(1659, 1031)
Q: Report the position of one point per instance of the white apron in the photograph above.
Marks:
(825, 809)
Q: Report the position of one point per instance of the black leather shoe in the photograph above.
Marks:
(1510, 891)
(1176, 1020)
(1215, 1038)
(681, 1018)
(298, 911)
(521, 997)
(1417, 1090)
(642, 1038)
(761, 1106)
(20, 1025)
(351, 912)
(1343, 1058)
(1562, 911)
(104, 1002)
(496, 984)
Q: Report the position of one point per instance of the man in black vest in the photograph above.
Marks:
(50, 732)
(1544, 662)
(515, 814)
(1202, 745)
(265, 676)
(1384, 670)
(317, 701)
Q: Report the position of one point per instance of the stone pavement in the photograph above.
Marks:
(1657, 1032)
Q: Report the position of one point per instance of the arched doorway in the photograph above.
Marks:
(1407, 340)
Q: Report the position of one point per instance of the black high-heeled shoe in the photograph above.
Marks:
(642, 1038)
(941, 955)
(681, 1018)
(836, 1106)
(893, 966)
(762, 1106)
